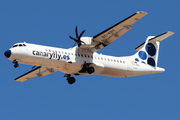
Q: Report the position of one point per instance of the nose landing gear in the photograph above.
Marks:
(15, 63)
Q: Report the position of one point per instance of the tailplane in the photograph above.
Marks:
(149, 50)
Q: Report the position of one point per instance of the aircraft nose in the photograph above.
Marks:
(7, 53)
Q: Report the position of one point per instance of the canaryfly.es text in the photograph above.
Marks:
(53, 55)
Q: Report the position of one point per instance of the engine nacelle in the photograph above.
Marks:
(88, 42)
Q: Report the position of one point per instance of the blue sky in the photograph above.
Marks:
(149, 97)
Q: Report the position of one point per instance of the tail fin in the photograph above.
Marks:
(149, 50)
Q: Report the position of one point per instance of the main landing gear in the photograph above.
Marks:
(70, 79)
(85, 69)
(15, 63)
(90, 70)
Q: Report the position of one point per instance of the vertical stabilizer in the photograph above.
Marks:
(148, 51)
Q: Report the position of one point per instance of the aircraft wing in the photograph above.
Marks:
(111, 34)
(38, 71)
(158, 38)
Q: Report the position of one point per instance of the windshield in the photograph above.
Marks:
(18, 45)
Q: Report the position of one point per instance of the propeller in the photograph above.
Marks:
(78, 38)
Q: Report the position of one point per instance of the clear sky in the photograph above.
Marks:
(50, 22)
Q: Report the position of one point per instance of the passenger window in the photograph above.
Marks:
(49, 50)
(65, 52)
(117, 60)
(78, 54)
(88, 56)
(101, 58)
(108, 59)
(62, 52)
(91, 56)
(105, 59)
(114, 60)
(84, 55)
(81, 55)
(69, 53)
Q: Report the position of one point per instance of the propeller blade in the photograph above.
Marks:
(72, 38)
(76, 32)
(81, 33)
(78, 38)
(79, 44)
(83, 42)
(74, 45)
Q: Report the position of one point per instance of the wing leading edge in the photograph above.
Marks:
(111, 34)
(38, 71)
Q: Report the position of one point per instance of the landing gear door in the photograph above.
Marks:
(73, 65)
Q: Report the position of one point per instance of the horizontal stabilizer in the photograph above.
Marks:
(39, 71)
(158, 38)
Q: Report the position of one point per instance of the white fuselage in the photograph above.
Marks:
(70, 61)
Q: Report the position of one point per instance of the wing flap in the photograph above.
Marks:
(158, 38)
(39, 71)
(117, 35)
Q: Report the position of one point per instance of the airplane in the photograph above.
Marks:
(83, 59)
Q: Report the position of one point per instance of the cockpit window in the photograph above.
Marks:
(14, 46)
(20, 45)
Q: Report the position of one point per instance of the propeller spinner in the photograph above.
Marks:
(78, 38)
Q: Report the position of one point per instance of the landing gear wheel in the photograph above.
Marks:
(15, 62)
(90, 70)
(16, 65)
(71, 80)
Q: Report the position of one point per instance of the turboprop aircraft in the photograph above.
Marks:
(83, 59)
